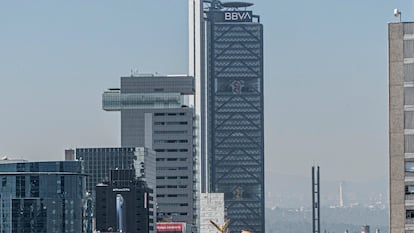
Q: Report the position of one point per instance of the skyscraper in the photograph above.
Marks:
(228, 66)
(401, 126)
(155, 113)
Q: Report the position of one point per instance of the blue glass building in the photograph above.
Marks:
(42, 197)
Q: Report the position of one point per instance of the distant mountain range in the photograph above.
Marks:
(289, 191)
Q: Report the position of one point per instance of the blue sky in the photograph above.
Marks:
(325, 76)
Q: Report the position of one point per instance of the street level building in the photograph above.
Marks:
(45, 197)
(124, 204)
(156, 113)
(401, 126)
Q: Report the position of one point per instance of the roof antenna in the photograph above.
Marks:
(397, 14)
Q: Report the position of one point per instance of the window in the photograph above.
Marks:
(408, 96)
(409, 166)
(409, 120)
(409, 143)
(409, 214)
(409, 189)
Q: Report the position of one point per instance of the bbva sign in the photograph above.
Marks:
(238, 16)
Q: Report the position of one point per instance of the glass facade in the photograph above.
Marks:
(235, 117)
(115, 101)
(42, 197)
(98, 163)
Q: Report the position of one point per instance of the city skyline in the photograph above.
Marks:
(55, 70)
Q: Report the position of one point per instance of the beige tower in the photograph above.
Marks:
(401, 126)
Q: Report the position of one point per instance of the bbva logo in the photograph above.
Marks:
(238, 16)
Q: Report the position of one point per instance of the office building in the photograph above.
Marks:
(156, 113)
(226, 59)
(401, 126)
(98, 162)
(45, 197)
(235, 124)
(125, 204)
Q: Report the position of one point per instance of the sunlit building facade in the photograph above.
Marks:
(401, 126)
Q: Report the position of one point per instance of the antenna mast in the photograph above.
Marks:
(316, 225)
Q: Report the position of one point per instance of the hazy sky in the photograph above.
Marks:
(325, 76)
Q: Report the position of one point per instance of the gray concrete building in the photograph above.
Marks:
(155, 113)
(401, 126)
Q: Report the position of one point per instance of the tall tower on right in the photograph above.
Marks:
(234, 118)
(401, 126)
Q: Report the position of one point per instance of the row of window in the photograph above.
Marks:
(172, 177)
(172, 168)
(171, 159)
(170, 132)
(172, 195)
(175, 214)
(172, 186)
(171, 123)
(170, 141)
(174, 204)
(169, 114)
(171, 150)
